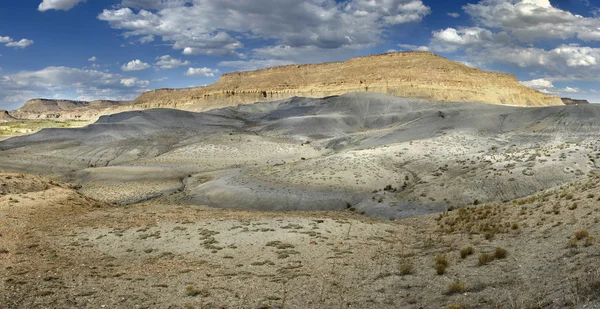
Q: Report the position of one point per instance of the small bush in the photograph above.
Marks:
(454, 307)
(455, 288)
(406, 269)
(485, 259)
(581, 234)
(466, 252)
(500, 253)
(589, 241)
(515, 226)
(573, 243)
(489, 235)
(441, 259)
(440, 269)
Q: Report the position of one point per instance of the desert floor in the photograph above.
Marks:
(60, 249)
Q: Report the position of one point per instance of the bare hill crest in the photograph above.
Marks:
(406, 74)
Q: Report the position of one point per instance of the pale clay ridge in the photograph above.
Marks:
(405, 74)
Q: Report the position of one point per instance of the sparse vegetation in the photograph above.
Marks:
(485, 258)
(581, 234)
(440, 264)
(500, 253)
(455, 288)
(465, 252)
(406, 269)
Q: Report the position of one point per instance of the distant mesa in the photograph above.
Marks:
(5, 116)
(569, 101)
(47, 108)
(405, 74)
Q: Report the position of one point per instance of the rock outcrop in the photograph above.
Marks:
(5, 116)
(48, 108)
(407, 74)
(569, 101)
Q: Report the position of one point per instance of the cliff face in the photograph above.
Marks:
(569, 101)
(409, 74)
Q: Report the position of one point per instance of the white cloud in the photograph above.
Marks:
(253, 64)
(532, 20)
(546, 86)
(571, 90)
(134, 82)
(5, 39)
(64, 5)
(93, 59)
(146, 39)
(20, 44)
(413, 47)
(135, 65)
(210, 27)
(454, 15)
(88, 84)
(206, 72)
(538, 84)
(168, 62)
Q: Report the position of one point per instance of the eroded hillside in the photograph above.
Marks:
(408, 74)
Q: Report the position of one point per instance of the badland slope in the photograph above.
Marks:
(5, 116)
(407, 74)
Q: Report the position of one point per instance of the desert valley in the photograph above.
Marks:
(359, 184)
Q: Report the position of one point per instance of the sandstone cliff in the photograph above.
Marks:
(569, 101)
(408, 74)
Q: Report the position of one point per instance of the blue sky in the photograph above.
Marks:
(116, 49)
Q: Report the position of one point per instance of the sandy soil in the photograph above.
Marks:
(60, 249)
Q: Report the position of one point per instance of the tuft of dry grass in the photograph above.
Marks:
(500, 253)
(485, 259)
(466, 252)
(455, 288)
(406, 269)
(441, 259)
(581, 234)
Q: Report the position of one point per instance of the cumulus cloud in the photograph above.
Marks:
(20, 44)
(93, 59)
(206, 72)
(508, 31)
(8, 41)
(218, 27)
(532, 20)
(134, 82)
(64, 5)
(82, 84)
(540, 83)
(168, 62)
(135, 65)
(546, 86)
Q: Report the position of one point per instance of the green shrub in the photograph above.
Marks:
(406, 269)
(440, 269)
(500, 253)
(466, 252)
(485, 259)
(441, 259)
(455, 288)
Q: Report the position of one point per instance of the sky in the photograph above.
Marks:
(116, 49)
